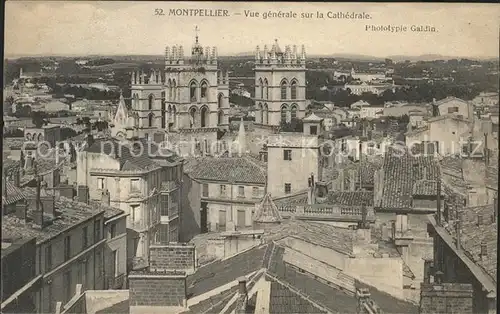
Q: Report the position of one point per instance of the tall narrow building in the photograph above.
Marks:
(280, 85)
(190, 97)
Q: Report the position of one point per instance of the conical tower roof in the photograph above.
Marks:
(121, 112)
(267, 211)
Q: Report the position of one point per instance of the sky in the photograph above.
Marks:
(131, 28)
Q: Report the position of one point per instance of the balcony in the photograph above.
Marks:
(325, 212)
(173, 212)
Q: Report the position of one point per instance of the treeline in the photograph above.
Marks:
(240, 100)
(99, 62)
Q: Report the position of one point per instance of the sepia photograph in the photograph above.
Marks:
(250, 157)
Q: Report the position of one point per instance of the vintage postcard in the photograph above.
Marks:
(250, 157)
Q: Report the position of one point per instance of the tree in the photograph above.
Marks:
(38, 118)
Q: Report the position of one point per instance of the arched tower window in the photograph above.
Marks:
(150, 119)
(284, 109)
(192, 91)
(284, 86)
(219, 101)
(174, 116)
(174, 90)
(265, 116)
(204, 117)
(204, 90)
(169, 89)
(261, 85)
(266, 88)
(150, 102)
(293, 90)
(157, 77)
(293, 111)
(220, 117)
(163, 111)
(260, 114)
(192, 117)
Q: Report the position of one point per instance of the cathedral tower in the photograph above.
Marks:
(280, 84)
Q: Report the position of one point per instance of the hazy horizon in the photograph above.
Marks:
(130, 28)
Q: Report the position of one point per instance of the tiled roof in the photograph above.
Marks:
(401, 171)
(219, 273)
(299, 198)
(225, 169)
(109, 212)
(425, 187)
(71, 213)
(123, 152)
(354, 198)
(368, 167)
(472, 235)
(285, 301)
(212, 304)
(388, 303)
(338, 239)
(119, 308)
(13, 194)
(267, 211)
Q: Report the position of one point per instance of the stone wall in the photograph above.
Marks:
(446, 298)
(157, 289)
(173, 257)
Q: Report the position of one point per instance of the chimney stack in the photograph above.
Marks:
(242, 302)
(106, 198)
(28, 164)
(242, 285)
(486, 151)
(479, 220)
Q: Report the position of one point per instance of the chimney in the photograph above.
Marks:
(362, 296)
(484, 250)
(28, 164)
(83, 194)
(38, 210)
(90, 140)
(105, 198)
(22, 210)
(47, 200)
(486, 151)
(479, 220)
(438, 277)
(438, 212)
(242, 302)
(427, 270)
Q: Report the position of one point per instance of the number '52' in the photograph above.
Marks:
(159, 12)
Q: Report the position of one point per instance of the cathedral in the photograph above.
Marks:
(280, 85)
(188, 100)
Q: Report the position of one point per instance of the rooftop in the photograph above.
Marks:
(68, 214)
(400, 175)
(226, 169)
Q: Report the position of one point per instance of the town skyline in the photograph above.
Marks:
(120, 28)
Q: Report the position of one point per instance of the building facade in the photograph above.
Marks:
(280, 85)
(191, 93)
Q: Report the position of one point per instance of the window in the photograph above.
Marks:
(205, 190)
(49, 296)
(98, 264)
(48, 257)
(115, 262)
(223, 190)
(204, 90)
(134, 213)
(100, 183)
(134, 186)
(84, 266)
(313, 129)
(283, 113)
(241, 191)
(150, 102)
(255, 192)
(67, 286)
(288, 188)
(150, 119)
(452, 109)
(85, 239)
(97, 231)
(294, 90)
(112, 230)
(173, 235)
(164, 205)
(192, 117)
(287, 154)
(293, 112)
(163, 231)
(204, 116)
(283, 89)
(219, 101)
(267, 89)
(67, 248)
(192, 91)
